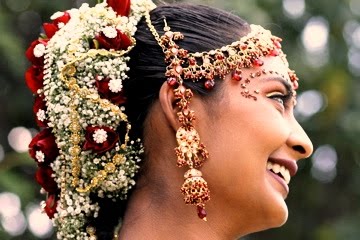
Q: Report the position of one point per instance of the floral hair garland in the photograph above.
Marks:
(77, 73)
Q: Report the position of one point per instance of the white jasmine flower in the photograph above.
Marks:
(100, 136)
(41, 115)
(60, 64)
(61, 24)
(109, 32)
(70, 210)
(105, 70)
(39, 50)
(56, 15)
(40, 156)
(66, 99)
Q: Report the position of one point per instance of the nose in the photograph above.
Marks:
(299, 142)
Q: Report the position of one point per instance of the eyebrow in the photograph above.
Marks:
(286, 84)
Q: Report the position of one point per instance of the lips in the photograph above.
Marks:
(283, 168)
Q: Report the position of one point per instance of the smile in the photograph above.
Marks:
(281, 171)
(283, 168)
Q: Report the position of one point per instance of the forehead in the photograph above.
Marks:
(273, 66)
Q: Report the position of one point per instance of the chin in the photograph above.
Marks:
(275, 216)
(278, 215)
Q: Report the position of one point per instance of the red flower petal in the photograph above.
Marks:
(34, 78)
(90, 144)
(44, 141)
(63, 19)
(125, 41)
(120, 42)
(38, 61)
(44, 177)
(50, 29)
(105, 92)
(39, 104)
(105, 42)
(50, 205)
(121, 7)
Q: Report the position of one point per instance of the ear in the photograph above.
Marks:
(168, 105)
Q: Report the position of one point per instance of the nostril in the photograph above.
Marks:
(299, 149)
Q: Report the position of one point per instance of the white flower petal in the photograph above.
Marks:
(100, 136)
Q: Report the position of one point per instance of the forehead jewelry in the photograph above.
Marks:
(206, 67)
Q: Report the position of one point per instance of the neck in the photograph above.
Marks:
(160, 213)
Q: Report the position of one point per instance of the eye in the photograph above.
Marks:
(281, 98)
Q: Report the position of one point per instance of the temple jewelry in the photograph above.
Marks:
(206, 67)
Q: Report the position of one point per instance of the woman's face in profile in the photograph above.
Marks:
(254, 147)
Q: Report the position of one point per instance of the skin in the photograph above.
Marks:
(240, 135)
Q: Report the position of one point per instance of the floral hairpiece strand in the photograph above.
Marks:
(83, 149)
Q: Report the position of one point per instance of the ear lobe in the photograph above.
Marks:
(168, 105)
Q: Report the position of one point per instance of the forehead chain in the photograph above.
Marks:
(206, 66)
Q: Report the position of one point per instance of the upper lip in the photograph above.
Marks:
(287, 163)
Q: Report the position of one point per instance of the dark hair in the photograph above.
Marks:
(204, 29)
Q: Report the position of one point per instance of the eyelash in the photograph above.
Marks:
(284, 98)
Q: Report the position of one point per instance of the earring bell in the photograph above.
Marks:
(196, 191)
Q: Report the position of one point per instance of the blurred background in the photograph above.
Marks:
(322, 40)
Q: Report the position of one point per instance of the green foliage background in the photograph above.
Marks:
(318, 210)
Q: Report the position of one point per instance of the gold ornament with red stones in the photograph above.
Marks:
(196, 191)
(206, 66)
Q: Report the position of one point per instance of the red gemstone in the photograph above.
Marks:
(277, 44)
(243, 46)
(172, 81)
(201, 212)
(295, 84)
(192, 61)
(220, 57)
(258, 62)
(274, 53)
(237, 77)
(209, 84)
(183, 53)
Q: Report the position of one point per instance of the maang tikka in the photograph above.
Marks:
(206, 66)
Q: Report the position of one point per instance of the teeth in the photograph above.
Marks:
(276, 168)
(286, 175)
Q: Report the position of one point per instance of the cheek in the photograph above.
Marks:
(256, 127)
(240, 142)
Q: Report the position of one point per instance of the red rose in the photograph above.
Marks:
(105, 92)
(43, 147)
(36, 59)
(39, 110)
(100, 139)
(50, 205)
(121, 7)
(51, 28)
(120, 42)
(34, 77)
(44, 178)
